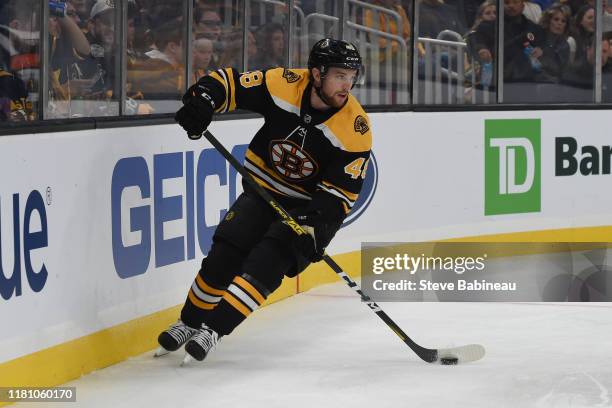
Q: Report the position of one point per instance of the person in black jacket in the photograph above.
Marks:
(523, 42)
(556, 50)
(580, 75)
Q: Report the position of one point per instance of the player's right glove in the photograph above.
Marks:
(197, 111)
(312, 244)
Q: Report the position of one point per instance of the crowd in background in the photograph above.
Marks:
(84, 46)
(545, 42)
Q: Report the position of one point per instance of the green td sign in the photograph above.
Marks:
(512, 166)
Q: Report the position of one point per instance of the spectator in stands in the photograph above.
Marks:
(81, 8)
(486, 12)
(438, 15)
(99, 66)
(555, 50)
(385, 23)
(522, 43)
(202, 57)
(581, 74)
(208, 24)
(69, 49)
(470, 11)
(162, 74)
(68, 44)
(19, 67)
(271, 37)
(582, 33)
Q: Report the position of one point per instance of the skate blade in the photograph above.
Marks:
(161, 352)
(186, 360)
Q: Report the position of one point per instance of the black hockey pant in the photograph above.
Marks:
(249, 256)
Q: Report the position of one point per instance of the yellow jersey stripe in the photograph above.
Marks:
(266, 185)
(232, 84)
(250, 289)
(222, 81)
(336, 193)
(348, 194)
(347, 209)
(256, 171)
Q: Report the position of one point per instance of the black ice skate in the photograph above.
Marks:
(202, 343)
(174, 337)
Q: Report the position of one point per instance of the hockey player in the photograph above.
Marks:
(311, 154)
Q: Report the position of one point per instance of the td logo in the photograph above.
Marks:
(512, 166)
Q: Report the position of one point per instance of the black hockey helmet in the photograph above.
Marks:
(328, 53)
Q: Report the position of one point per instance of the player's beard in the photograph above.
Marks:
(333, 99)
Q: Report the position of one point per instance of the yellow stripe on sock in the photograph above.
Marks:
(236, 304)
(250, 289)
(199, 303)
(207, 288)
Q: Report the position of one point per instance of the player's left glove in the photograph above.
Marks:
(197, 111)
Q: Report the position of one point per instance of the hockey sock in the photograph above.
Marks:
(201, 300)
(243, 296)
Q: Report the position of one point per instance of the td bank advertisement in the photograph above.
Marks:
(514, 157)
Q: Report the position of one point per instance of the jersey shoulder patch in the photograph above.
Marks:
(349, 129)
(361, 125)
(286, 87)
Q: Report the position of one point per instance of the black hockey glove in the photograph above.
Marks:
(197, 111)
(312, 244)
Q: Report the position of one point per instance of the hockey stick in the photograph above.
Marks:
(454, 355)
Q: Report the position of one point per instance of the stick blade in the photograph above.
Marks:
(464, 354)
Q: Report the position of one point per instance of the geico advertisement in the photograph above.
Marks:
(145, 211)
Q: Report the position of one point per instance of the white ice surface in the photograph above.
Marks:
(324, 348)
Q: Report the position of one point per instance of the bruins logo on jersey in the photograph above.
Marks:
(290, 76)
(361, 125)
(291, 161)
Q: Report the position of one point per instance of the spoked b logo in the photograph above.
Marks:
(512, 166)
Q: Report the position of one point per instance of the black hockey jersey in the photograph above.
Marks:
(299, 150)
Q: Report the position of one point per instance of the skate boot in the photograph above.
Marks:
(202, 343)
(174, 337)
